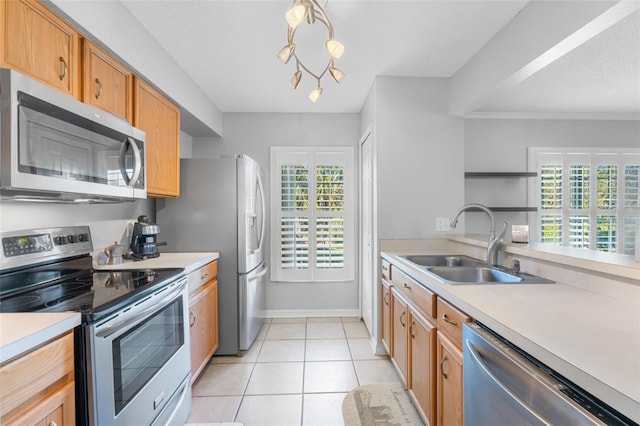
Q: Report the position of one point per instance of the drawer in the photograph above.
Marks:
(385, 269)
(201, 276)
(418, 295)
(450, 321)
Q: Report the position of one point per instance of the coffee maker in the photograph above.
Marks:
(143, 240)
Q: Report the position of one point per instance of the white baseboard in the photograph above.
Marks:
(303, 313)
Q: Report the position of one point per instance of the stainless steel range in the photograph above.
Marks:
(132, 348)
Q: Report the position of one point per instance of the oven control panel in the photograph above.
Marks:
(35, 245)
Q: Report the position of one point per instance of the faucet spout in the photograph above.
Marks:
(494, 240)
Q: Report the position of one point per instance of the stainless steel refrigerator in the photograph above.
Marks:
(222, 208)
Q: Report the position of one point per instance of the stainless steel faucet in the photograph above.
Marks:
(494, 240)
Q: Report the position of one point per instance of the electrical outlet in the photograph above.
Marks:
(442, 223)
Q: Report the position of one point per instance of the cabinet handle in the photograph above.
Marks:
(444, 358)
(202, 277)
(52, 423)
(192, 319)
(450, 321)
(99, 86)
(63, 74)
(386, 299)
(403, 314)
(413, 336)
(405, 285)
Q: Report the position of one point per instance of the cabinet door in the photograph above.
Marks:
(36, 42)
(422, 352)
(399, 340)
(57, 409)
(211, 319)
(203, 323)
(160, 119)
(106, 84)
(385, 333)
(449, 382)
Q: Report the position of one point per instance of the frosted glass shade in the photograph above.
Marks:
(335, 48)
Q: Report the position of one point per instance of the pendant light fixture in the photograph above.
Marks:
(311, 12)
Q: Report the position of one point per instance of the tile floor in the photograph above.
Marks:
(296, 373)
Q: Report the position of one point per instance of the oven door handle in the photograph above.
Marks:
(128, 321)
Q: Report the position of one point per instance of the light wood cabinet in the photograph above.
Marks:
(422, 352)
(38, 387)
(160, 119)
(385, 334)
(203, 318)
(106, 83)
(400, 327)
(36, 42)
(449, 388)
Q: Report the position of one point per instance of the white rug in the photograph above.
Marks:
(381, 404)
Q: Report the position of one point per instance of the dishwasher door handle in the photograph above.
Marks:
(527, 410)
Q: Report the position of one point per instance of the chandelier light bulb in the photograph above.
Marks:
(286, 52)
(295, 79)
(335, 48)
(296, 15)
(315, 95)
(336, 74)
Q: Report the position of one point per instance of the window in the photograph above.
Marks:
(587, 198)
(313, 212)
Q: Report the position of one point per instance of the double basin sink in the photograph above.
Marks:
(454, 269)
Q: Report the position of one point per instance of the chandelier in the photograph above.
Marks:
(310, 11)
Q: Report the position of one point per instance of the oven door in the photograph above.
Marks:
(139, 361)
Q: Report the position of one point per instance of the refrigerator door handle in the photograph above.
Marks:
(264, 211)
(263, 271)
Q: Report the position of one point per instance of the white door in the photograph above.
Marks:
(367, 262)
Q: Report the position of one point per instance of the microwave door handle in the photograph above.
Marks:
(137, 160)
(526, 410)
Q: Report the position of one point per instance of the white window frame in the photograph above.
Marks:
(313, 156)
(591, 156)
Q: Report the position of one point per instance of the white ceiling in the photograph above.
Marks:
(229, 47)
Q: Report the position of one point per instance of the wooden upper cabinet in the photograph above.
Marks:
(37, 43)
(160, 119)
(106, 84)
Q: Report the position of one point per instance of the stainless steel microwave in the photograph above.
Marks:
(56, 148)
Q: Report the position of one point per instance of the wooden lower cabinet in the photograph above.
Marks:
(400, 326)
(422, 352)
(386, 317)
(38, 387)
(449, 388)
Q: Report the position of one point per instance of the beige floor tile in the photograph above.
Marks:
(282, 351)
(270, 410)
(329, 376)
(206, 409)
(375, 371)
(288, 320)
(276, 378)
(324, 319)
(361, 349)
(280, 331)
(322, 409)
(356, 330)
(327, 350)
(325, 330)
(249, 356)
(351, 319)
(223, 380)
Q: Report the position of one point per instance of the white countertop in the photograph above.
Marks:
(189, 261)
(21, 332)
(590, 338)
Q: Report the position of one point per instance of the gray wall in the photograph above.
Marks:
(501, 146)
(253, 134)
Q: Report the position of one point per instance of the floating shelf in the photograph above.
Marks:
(500, 174)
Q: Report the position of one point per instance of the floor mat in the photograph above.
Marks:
(381, 404)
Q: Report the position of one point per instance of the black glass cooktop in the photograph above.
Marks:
(73, 286)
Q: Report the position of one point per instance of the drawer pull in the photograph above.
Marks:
(405, 285)
(202, 277)
(444, 359)
(192, 319)
(386, 299)
(52, 423)
(450, 321)
(413, 336)
(403, 314)
(63, 73)
(98, 94)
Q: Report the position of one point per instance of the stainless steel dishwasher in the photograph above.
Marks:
(505, 386)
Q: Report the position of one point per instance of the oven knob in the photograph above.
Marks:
(82, 237)
(71, 238)
(60, 241)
